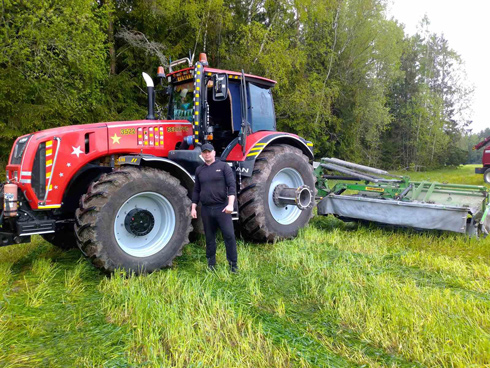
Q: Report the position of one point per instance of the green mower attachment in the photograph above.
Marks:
(365, 193)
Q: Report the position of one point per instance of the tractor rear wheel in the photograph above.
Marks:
(261, 219)
(133, 218)
(486, 176)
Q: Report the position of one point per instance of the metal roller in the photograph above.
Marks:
(359, 167)
(350, 172)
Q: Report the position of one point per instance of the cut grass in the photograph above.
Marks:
(339, 295)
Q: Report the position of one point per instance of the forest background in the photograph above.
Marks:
(349, 79)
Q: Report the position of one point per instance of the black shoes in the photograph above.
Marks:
(233, 268)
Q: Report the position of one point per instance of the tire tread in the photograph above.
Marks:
(99, 195)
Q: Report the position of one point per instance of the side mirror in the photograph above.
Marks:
(220, 87)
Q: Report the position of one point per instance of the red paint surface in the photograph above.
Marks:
(236, 153)
(104, 139)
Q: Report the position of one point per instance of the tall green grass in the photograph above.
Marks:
(339, 295)
(454, 175)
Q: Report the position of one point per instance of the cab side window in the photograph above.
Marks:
(263, 117)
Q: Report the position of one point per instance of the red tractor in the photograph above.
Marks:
(121, 190)
(485, 160)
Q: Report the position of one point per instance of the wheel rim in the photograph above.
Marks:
(487, 177)
(157, 234)
(288, 214)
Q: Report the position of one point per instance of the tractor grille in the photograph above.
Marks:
(38, 179)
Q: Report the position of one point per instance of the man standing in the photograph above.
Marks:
(215, 187)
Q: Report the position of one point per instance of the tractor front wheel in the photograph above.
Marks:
(261, 218)
(137, 219)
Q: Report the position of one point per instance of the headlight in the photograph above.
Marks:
(19, 149)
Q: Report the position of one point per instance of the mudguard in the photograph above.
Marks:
(256, 142)
(170, 166)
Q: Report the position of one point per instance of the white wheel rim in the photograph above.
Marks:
(285, 215)
(161, 233)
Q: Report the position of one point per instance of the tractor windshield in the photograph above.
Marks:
(181, 106)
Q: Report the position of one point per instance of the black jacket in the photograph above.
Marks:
(213, 184)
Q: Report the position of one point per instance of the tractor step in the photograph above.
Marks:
(35, 226)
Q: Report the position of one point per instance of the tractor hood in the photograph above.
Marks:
(43, 163)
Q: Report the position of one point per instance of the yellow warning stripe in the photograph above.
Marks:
(49, 152)
(49, 206)
(49, 162)
(256, 149)
(309, 144)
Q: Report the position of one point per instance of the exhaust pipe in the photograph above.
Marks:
(300, 197)
(151, 96)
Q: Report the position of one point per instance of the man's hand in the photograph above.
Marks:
(194, 211)
(228, 209)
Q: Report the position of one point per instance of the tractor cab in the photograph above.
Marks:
(224, 106)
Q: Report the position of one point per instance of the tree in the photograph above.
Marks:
(367, 62)
(52, 66)
(428, 103)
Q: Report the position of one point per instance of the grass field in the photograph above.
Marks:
(340, 295)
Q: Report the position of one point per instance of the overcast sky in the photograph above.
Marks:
(466, 26)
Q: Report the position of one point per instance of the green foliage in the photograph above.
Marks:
(369, 52)
(52, 65)
(349, 79)
(426, 102)
(470, 140)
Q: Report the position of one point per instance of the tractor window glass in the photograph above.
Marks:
(182, 98)
(263, 117)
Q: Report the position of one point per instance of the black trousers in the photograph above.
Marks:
(212, 219)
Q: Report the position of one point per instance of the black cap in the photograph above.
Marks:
(207, 147)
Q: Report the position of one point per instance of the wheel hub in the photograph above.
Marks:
(284, 213)
(139, 222)
(300, 197)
